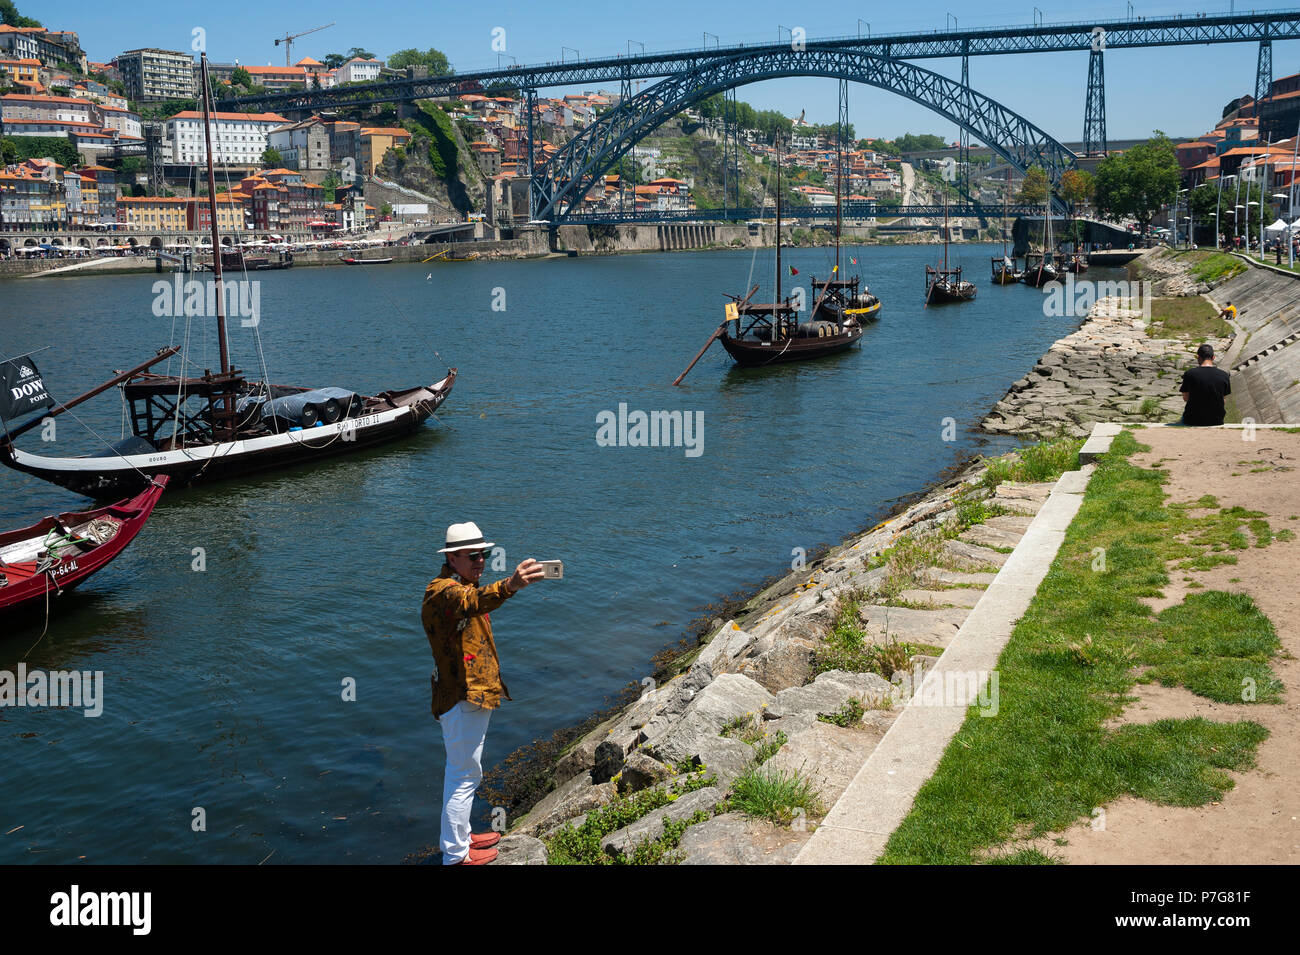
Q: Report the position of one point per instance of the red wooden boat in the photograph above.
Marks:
(57, 553)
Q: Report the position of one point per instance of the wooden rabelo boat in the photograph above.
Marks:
(945, 284)
(771, 333)
(1039, 267)
(1004, 268)
(768, 333)
(352, 261)
(219, 425)
(57, 553)
(1039, 270)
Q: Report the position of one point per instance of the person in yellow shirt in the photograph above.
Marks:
(1228, 312)
(466, 683)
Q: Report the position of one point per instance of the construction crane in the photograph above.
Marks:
(288, 39)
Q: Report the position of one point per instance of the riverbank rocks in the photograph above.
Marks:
(734, 839)
(573, 797)
(650, 826)
(641, 772)
(828, 693)
(520, 850)
(695, 737)
(1108, 370)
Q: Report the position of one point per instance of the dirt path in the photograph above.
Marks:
(1258, 821)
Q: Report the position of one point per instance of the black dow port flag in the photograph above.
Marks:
(24, 390)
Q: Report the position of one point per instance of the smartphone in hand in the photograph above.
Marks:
(553, 569)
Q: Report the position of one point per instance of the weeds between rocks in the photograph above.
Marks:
(779, 795)
(581, 845)
(1072, 659)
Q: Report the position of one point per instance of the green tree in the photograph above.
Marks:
(1139, 181)
(271, 157)
(435, 60)
(10, 17)
(358, 53)
(909, 143)
(8, 151)
(334, 60)
(1034, 190)
(1077, 186)
(241, 77)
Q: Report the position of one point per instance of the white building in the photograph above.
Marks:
(123, 120)
(358, 71)
(238, 139)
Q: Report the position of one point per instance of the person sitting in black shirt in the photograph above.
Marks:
(1204, 388)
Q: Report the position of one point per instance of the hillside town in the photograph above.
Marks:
(118, 147)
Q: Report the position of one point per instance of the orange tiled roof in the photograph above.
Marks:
(247, 117)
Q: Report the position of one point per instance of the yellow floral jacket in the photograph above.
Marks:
(458, 623)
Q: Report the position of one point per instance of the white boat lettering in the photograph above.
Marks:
(65, 568)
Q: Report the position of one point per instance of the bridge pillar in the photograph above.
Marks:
(1263, 74)
(963, 144)
(1094, 111)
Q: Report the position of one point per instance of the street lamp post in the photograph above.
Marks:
(1218, 200)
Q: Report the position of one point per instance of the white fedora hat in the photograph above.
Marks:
(464, 537)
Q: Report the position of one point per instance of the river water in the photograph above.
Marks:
(223, 687)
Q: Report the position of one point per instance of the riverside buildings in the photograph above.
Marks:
(152, 75)
(238, 139)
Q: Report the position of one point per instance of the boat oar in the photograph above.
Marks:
(716, 332)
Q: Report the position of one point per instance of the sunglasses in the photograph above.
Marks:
(475, 554)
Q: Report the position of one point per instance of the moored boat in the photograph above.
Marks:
(57, 553)
(215, 425)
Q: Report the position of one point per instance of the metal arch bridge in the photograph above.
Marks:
(1193, 29)
(887, 52)
(567, 176)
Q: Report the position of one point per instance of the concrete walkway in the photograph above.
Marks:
(858, 826)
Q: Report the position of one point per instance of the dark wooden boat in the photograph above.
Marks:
(768, 333)
(58, 553)
(351, 261)
(1075, 262)
(945, 285)
(1039, 270)
(219, 425)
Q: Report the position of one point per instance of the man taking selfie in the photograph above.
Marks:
(467, 684)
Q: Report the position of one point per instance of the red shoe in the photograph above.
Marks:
(478, 857)
(483, 840)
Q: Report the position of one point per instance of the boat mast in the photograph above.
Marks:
(1006, 200)
(839, 172)
(945, 231)
(227, 402)
(778, 221)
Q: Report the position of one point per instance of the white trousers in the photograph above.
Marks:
(464, 728)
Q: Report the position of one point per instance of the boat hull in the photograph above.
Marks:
(749, 353)
(943, 295)
(118, 475)
(31, 590)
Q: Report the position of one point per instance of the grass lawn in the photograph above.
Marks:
(1046, 761)
(1190, 317)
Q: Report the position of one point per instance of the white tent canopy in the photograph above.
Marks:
(1278, 226)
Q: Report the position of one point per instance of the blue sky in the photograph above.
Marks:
(1181, 90)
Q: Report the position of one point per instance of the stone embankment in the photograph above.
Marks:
(1110, 369)
(754, 690)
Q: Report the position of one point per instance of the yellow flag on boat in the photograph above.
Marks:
(732, 312)
(834, 269)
